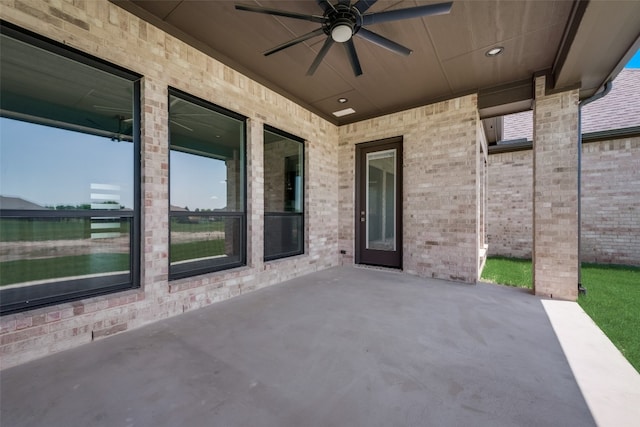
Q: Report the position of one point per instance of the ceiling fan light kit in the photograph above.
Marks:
(341, 33)
(344, 20)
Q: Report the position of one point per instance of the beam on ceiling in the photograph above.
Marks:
(505, 99)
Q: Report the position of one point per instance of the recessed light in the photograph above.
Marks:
(494, 51)
(344, 112)
(342, 100)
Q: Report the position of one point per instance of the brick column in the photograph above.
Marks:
(255, 193)
(555, 193)
(155, 188)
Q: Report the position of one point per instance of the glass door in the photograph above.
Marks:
(379, 202)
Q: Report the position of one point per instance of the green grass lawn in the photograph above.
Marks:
(613, 302)
(508, 271)
(612, 299)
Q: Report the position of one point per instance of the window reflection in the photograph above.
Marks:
(37, 250)
(206, 177)
(283, 195)
(198, 183)
(42, 167)
(68, 204)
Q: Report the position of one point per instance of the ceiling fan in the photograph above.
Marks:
(343, 20)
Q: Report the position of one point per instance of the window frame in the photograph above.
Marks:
(301, 215)
(78, 288)
(200, 266)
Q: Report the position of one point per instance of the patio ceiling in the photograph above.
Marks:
(577, 43)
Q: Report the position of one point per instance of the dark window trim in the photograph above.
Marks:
(285, 134)
(136, 247)
(274, 214)
(93, 288)
(40, 298)
(205, 267)
(52, 213)
(208, 105)
(206, 214)
(268, 128)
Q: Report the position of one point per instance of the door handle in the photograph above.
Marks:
(363, 216)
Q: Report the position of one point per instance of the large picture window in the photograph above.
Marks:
(283, 194)
(207, 187)
(69, 186)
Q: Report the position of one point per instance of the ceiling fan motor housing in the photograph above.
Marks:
(342, 22)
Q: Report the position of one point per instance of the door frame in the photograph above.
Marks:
(382, 259)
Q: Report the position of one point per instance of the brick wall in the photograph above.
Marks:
(610, 202)
(103, 29)
(440, 215)
(510, 204)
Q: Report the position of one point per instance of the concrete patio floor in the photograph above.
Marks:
(343, 347)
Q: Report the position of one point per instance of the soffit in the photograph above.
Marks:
(448, 58)
(607, 36)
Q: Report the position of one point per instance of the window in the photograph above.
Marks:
(207, 187)
(69, 174)
(283, 194)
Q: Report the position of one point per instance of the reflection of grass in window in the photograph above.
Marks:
(66, 266)
(199, 249)
(12, 230)
(188, 227)
(23, 230)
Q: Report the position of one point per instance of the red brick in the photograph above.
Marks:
(23, 322)
(38, 319)
(24, 334)
(53, 316)
(78, 308)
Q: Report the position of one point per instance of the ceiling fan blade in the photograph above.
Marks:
(181, 125)
(277, 12)
(364, 5)
(190, 114)
(408, 13)
(295, 41)
(383, 42)
(107, 108)
(353, 57)
(325, 5)
(320, 56)
(344, 2)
